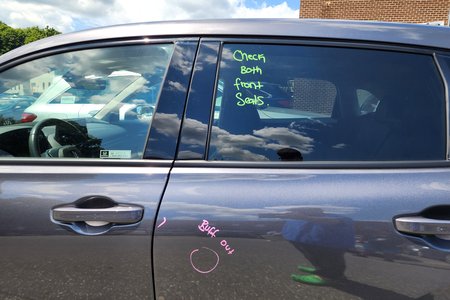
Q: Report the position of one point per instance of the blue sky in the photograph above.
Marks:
(73, 15)
(294, 4)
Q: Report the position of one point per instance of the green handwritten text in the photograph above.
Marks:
(239, 55)
(238, 83)
(251, 70)
(255, 100)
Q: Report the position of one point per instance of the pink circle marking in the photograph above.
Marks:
(198, 270)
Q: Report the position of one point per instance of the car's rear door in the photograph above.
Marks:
(77, 214)
(306, 200)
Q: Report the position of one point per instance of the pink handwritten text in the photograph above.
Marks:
(205, 227)
(227, 247)
(210, 230)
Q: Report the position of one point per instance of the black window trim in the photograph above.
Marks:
(85, 162)
(205, 49)
(344, 165)
(213, 104)
(177, 97)
(444, 72)
(383, 46)
(327, 43)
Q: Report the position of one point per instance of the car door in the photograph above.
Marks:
(319, 199)
(79, 196)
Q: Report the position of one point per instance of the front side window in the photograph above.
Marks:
(95, 103)
(305, 103)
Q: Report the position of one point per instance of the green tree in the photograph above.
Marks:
(35, 33)
(11, 38)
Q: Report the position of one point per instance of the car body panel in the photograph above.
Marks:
(251, 207)
(42, 259)
(307, 28)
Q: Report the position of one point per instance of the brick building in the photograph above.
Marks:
(406, 11)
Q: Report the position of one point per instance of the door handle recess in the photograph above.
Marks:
(119, 214)
(423, 226)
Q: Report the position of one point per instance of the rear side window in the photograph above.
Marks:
(305, 103)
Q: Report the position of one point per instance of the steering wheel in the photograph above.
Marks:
(62, 150)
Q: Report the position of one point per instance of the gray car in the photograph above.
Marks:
(187, 182)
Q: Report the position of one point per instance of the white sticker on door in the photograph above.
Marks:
(115, 153)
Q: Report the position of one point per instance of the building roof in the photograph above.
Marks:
(406, 34)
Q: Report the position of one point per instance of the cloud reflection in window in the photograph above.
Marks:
(262, 145)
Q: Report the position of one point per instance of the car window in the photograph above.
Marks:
(306, 103)
(95, 103)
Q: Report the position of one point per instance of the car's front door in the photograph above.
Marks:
(302, 198)
(79, 193)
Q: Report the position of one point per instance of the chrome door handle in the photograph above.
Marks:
(423, 226)
(119, 214)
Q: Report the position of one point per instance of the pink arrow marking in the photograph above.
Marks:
(163, 222)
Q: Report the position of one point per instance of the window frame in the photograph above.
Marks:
(119, 42)
(411, 49)
(444, 71)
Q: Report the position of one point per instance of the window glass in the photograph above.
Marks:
(305, 103)
(95, 103)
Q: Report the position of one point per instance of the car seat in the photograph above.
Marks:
(237, 119)
(403, 127)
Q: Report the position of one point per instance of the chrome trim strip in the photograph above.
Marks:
(444, 71)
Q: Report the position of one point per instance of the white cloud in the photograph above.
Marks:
(18, 14)
(266, 11)
(67, 16)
